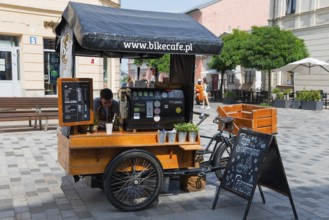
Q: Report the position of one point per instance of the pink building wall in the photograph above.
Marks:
(226, 15)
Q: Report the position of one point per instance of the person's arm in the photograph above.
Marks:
(116, 107)
(96, 104)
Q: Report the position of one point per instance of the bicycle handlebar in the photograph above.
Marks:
(202, 116)
(227, 120)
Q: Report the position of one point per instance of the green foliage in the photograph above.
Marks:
(162, 63)
(230, 94)
(270, 48)
(139, 62)
(287, 91)
(232, 51)
(281, 93)
(230, 56)
(186, 126)
(308, 95)
(264, 104)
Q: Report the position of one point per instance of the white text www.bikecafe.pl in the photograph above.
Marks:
(158, 46)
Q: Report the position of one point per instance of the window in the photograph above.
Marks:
(290, 7)
(287, 78)
(51, 66)
(8, 41)
(249, 76)
(7, 60)
(231, 78)
(5, 66)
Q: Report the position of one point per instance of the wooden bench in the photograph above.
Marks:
(29, 108)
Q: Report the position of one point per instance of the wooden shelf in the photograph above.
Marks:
(120, 139)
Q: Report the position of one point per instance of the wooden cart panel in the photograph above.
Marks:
(90, 154)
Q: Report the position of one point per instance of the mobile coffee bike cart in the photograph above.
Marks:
(129, 164)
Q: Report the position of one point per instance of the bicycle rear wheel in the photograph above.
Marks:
(221, 158)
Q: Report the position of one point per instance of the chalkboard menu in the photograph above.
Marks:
(242, 172)
(255, 160)
(75, 101)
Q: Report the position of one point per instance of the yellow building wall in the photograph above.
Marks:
(25, 19)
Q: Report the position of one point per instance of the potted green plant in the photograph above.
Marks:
(193, 130)
(280, 101)
(182, 129)
(310, 99)
(229, 97)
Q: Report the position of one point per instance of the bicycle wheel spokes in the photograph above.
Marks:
(221, 158)
(134, 180)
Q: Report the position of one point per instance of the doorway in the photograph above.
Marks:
(10, 84)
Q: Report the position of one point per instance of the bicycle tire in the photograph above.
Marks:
(133, 180)
(221, 158)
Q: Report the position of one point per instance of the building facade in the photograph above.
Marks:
(308, 20)
(29, 65)
(221, 17)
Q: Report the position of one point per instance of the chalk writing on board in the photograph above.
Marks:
(76, 101)
(244, 166)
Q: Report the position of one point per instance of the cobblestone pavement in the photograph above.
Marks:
(34, 186)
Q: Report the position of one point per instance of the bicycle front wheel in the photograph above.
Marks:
(221, 158)
(133, 180)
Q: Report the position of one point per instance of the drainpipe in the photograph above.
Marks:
(273, 16)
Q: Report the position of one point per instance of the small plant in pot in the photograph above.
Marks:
(182, 129)
(192, 132)
(229, 97)
(280, 102)
(310, 99)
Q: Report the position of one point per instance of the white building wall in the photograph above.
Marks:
(310, 22)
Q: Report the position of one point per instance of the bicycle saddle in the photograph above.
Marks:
(227, 120)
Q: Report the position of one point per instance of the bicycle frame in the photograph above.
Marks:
(221, 141)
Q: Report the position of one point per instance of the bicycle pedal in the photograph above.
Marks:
(202, 174)
(205, 164)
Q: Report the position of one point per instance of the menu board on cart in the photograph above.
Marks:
(75, 102)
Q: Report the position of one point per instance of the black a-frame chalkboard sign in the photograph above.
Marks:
(255, 160)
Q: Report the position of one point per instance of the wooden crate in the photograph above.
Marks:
(258, 118)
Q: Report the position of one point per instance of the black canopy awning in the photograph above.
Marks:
(117, 32)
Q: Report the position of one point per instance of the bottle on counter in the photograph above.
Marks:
(116, 122)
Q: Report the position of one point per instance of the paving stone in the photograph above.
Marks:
(4, 187)
(22, 216)
(6, 214)
(39, 216)
(6, 207)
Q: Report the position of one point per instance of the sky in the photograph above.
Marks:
(179, 6)
(175, 6)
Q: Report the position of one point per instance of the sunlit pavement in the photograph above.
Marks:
(34, 186)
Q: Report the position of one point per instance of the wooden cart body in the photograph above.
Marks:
(120, 33)
(87, 154)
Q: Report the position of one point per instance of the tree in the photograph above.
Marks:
(231, 54)
(162, 63)
(269, 48)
